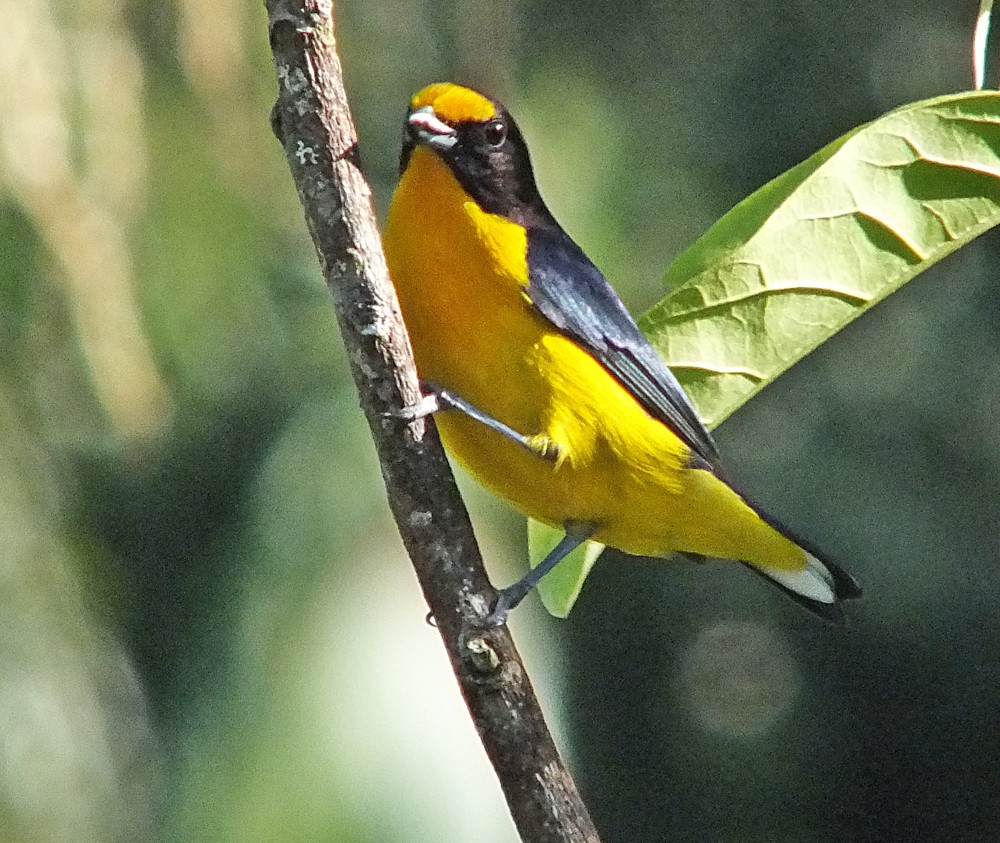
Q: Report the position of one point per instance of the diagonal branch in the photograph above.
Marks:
(312, 120)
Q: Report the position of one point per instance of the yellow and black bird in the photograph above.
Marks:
(549, 394)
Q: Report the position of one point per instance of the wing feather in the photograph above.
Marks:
(568, 290)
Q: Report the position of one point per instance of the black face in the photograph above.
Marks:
(490, 161)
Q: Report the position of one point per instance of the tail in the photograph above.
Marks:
(819, 587)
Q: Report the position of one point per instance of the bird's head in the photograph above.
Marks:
(480, 143)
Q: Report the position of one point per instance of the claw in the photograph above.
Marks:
(576, 534)
(426, 406)
(498, 617)
(543, 446)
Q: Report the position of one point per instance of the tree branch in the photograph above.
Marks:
(312, 120)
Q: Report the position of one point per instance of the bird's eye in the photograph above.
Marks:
(496, 132)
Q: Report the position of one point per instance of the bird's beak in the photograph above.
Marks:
(424, 127)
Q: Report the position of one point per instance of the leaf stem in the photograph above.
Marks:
(980, 40)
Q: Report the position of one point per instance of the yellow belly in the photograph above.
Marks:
(459, 276)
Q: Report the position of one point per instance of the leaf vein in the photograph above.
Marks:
(818, 288)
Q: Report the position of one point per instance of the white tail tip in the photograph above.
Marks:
(813, 582)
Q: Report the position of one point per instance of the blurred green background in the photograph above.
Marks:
(210, 630)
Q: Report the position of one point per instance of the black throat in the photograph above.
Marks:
(499, 179)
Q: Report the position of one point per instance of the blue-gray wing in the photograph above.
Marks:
(568, 290)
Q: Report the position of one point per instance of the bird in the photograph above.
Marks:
(542, 386)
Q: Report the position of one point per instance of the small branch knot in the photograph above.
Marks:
(481, 657)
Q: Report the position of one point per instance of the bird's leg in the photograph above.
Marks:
(576, 534)
(436, 399)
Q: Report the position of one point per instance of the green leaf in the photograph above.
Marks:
(812, 250)
(794, 263)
